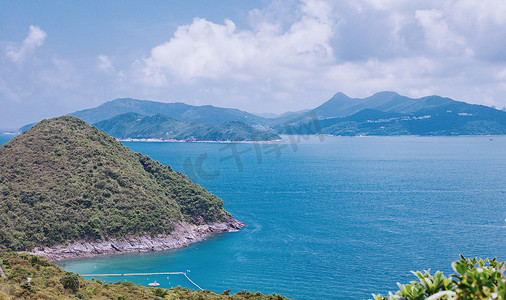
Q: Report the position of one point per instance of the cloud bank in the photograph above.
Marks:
(359, 47)
(221, 51)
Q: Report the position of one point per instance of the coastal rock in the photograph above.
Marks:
(182, 235)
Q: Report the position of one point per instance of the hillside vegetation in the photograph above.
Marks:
(64, 180)
(179, 111)
(137, 126)
(48, 281)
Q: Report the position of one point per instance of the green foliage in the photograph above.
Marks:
(47, 283)
(137, 126)
(27, 286)
(196, 204)
(65, 181)
(35, 260)
(479, 279)
(426, 286)
(70, 281)
(474, 279)
(160, 292)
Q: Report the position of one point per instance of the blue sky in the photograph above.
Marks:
(261, 56)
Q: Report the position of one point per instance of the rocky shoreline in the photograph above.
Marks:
(182, 235)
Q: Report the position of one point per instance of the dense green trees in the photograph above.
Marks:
(64, 180)
(70, 281)
(137, 126)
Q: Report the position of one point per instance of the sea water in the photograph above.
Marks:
(331, 217)
(4, 138)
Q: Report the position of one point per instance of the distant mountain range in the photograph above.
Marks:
(388, 113)
(384, 113)
(127, 118)
(179, 111)
(136, 126)
(341, 105)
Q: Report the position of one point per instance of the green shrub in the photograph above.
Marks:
(160, 292)
(35, 260)
(479, 279)
(27, 286)
(70, 281)
(474, 279)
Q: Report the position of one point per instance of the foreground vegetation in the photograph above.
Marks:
(64, 180)
(473, 279)
(48, 281)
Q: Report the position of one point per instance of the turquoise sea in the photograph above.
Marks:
(339, 218)
(4, 138)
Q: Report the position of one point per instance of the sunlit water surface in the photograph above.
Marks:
(339, 218)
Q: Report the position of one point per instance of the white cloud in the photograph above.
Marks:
(471, 12)
(208, 50)
(105, 64)
(438, 34)
(202, 49)
(35, 39)
(317, 9)
(311, 49)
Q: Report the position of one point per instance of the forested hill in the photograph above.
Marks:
(137, 126)
(179, 111)
(64, 180)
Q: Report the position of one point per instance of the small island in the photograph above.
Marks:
(69, 190)
(134, 126)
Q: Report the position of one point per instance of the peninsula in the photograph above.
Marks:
(69, 190)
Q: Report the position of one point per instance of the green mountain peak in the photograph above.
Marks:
(64, 180)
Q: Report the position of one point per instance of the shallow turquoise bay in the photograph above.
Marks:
(342, 218)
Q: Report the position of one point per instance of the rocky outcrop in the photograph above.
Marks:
(182, 235)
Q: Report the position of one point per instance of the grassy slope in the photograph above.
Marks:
(46, 284)
(65, 180)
